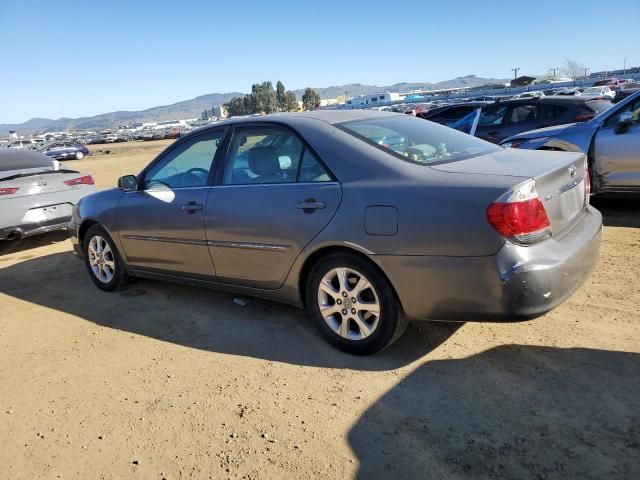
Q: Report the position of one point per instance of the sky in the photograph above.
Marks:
(83, 58)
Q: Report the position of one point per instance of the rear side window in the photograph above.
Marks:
(414, 140)
(550, 112)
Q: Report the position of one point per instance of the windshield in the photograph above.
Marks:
(417, 140)
(592, 90)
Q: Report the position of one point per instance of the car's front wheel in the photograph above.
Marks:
(103, 260)
(353, 304)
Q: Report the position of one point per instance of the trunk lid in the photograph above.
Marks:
(37, 181)
(559, 176)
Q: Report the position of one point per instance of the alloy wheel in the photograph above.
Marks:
(348, 303)
(101, 259)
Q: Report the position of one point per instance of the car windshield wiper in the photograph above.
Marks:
(42, 172)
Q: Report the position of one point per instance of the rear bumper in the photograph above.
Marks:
(517, 283)
(27, 229)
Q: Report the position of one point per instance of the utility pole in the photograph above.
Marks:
(554, 70)
(625, 67)
(515, 72)
(585, 72)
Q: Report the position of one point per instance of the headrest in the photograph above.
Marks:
(263, 161)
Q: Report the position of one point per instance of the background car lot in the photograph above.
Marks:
(93, 382)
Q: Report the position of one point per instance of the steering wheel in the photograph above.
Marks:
(195, 170)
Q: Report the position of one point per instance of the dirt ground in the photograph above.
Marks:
(167, 381)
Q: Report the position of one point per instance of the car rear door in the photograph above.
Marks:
(617, 151)
(161, 225)
(491, 122)
(272, 198)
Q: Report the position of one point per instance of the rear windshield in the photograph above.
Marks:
(417, 140)
(599, 105)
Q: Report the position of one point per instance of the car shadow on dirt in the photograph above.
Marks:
(202, 318)
(8, 247)
(522, 412)
(618, 212)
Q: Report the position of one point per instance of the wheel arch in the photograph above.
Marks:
(322, 252)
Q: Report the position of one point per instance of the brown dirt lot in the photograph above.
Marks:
(168, 381)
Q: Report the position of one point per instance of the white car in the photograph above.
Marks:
(604, 92)
(535, 94)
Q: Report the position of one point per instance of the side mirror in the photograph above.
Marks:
(624, 122)
(128, 183)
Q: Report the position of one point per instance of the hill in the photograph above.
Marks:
(192, 108)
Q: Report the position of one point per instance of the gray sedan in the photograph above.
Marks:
(37, 194)
(367, 219)
(611, 140)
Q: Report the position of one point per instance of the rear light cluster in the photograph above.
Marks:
(519, 215)
(587, 182)
(8, 190)
(86, 180)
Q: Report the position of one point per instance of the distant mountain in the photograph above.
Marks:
(193, 108)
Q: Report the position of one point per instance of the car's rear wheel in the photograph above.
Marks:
(102, 260)
(353, 304)
(79, 155)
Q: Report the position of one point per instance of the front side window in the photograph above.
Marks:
(523, 113)
(187, 165)
(634, 108)
(492, 116)
(417, 141)
(266, 155)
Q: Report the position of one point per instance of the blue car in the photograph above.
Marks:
(611, 141)
(65, 151)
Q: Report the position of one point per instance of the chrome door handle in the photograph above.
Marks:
(192, 207)
(311, 205)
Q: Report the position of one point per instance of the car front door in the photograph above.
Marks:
(617, 150)
(272, 198)
(161, 225)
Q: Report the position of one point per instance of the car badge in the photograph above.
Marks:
(42, 184)
(572, 171)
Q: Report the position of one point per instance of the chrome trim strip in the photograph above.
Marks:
(187, 241)
(244, 185)
(251, 246)
(568, 186)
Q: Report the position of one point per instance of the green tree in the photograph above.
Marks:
(264, 98)
(310, 99)
(236, 107)
(281, 97)
(290, 102)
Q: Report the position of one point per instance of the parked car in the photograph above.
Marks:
(598, 92)
(37, 193)
(503, 119)
(318, 210)
(611, 140)
(534, 94)
(628, 89)
(21, 143)
(568, 91)
(448, 114)
(64, 150)
(613, 83)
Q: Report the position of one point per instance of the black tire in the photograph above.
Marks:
(391, 322)
(119, 278)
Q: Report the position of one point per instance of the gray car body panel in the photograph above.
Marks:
(422, 226)
(614, 169)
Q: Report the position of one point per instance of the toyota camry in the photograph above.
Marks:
(366, 219)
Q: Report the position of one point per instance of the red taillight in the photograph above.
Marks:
(583, 118)
(587, 183)
(8, 190)
(86, 180)
(520, 215)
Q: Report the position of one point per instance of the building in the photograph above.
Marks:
(220, 112)
(522, 81)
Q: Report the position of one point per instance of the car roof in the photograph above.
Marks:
(19, 159)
